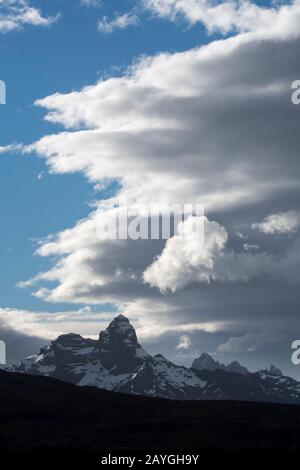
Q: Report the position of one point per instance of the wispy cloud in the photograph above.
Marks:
(14, 14)
(105, 25)
(92, 3)
(222, 16)
(249, 342)
(282, 222)
(11, 148)
(184, 342)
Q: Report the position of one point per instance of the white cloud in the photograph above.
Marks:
(185, 260)
(283, 222)
(161, 119)
(224, 17)
(184, 342)
(105, 25)
(250, 247)
(249, 342)
(50, 325)
(89, 323)
(11, 148)
(15, 14)
(155, 318)
(92, 3)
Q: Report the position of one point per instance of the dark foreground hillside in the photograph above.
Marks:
(38, 412)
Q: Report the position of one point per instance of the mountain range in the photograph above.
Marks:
(117, 362)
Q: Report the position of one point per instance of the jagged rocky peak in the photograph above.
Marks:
(120, 334)
(275, 371)
(236, 367)
(68, 339)
(205, 362)
(272, 371)
(71, 342)
(118, 343)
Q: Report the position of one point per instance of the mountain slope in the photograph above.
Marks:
(118, 362)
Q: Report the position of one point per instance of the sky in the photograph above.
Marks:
(151, 102)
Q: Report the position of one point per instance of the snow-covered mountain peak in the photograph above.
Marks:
(118, 345)
(69, 340)
(120, 334)
(236, 367)
(118, 362)
(273, 371)
(206, 362)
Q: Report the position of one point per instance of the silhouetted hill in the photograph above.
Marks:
(40, 413)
